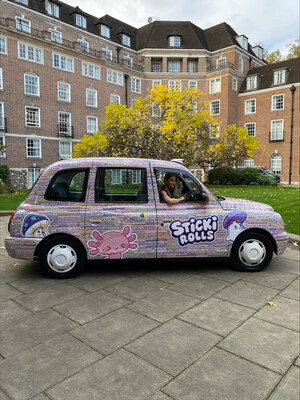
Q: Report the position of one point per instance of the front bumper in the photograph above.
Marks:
(282, 240)
(20, 247)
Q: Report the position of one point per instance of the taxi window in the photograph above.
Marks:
(121, 185)
(68, 185)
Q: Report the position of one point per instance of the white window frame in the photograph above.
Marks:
(89, 126)
(56, 36)
(22, 2)
(241, 64)
(28, 85)
(174, 66)
(234, 84)
(3, 45)
(32, 176)
(84, 45)
(156, 110)
(115, 77)
(250, 128)
(64, 63)
(90, 70)
(68, 123)
(129, 61)
(104, 31)
(108, 53)
(251, 82)
(30, 53)
(126, 40)
(174, 85)
(91, 97)
(191, 66)
(247, 112)
(1, 78)
(114, 98)
(175, 41)
(2, 143)
(214, 131)
(63, 92)
(136, 84)
(24, 28)
(156, 65)
(211, 107)
(276, 161)
(280, 76)
(52, 8)
(2, 116)
(274, 102)
(37, 147)
(156, 82)
(80, 20)
(277, 134)
(192, 84)
(63, 144)
(249, 162)
(221, 63)
(215, 85)
(37, 113)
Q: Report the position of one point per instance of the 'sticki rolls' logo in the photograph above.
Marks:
(194, 230)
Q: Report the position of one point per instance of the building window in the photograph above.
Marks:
(127, 61)
(250, 106)
(191, 66)
(115, 77)
(105, 31)
(156, 65)
(251, 82)
(135, 85)
(280, 76)
(25, 2)
(175, 85)
(115, 98)
(215, 85)
(84, 46)
(221, 63)
(2, 145)
(56, 36)
(108, 54)
(91, 97)
(91, 124)
(234, 84)
(63, 62)
(2, 119)
(23, 25)
(278, 102)
(64, 123)
(192, 84)
(65, 149)
(249, 162)
(33, 174)
(215, 107)
(243, 41)
(250, 127)
(3, 45)
(156, 110)
(214, 131)
(92, 71)
(32, 117)
(30, 53)
(174, 66)
(1, 79)
(276, 130)
(276, 164)
(33, 148)
(174, 41)
(241, 64)
(80, 20)
(52, 8)
(126, 40)
(63, 91)
(31, 85)
(154, 83)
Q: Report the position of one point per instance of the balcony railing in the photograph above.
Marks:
(211, 68)
(65, 130)
(274, 136)
(46, 35)
(3, 126)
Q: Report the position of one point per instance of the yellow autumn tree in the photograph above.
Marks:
(91, 146)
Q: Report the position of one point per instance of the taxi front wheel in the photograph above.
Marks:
(62, 257)
(251, 252)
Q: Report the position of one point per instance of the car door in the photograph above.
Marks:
(121, 215)
(192, 228)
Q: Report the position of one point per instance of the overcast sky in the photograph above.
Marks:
(273, 22)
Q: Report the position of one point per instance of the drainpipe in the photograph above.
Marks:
(292, 89)
(118, 48)
(126, 76)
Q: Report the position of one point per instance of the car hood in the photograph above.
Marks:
(231, 204)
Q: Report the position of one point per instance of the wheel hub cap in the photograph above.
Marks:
(252, 252)
(61, 258)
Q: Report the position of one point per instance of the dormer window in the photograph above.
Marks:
(126, 40)
(280, 76)
(252, 82)
(174, 41)
(243, 41)
(80, 20)
(23, 2)
(105, 31)
(52, 8)
(258, 51)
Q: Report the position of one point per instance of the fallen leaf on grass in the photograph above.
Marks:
(271, 304)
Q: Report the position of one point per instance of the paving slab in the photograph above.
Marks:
(33, 371)
(9, 311)
(297, 362)
(92, 306)
(172, 276)
(288, 265)
(247, 294)
(174, 345)
(114, 330)
(270, 278)
(27, 332)
(292, 291)
(200, 286)
(220, 272)
(120, 376)
(286, 313)
(34, 284)
(219, 375)
(92, 282)
(217, 315)
(13, 269)
(289, 387)
(3, 396)
(163, 305)
(7, 292)
(266, 344)
(159, 396)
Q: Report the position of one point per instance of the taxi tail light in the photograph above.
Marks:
(13, 214)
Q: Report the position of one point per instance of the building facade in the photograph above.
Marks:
(60, 67)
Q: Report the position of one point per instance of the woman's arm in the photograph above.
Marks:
(169, 199)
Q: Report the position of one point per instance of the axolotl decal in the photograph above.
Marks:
(112, 243)
(35, 226)
(234, 224)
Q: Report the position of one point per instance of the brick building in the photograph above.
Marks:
(60, 67)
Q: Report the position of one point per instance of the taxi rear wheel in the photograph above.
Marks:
(251, 252)
(62, 257)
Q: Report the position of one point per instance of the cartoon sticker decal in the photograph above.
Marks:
(194, 230)
(112, 243)
(234, 224)
(35, 226)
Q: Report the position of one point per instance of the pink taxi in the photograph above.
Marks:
(112, 208)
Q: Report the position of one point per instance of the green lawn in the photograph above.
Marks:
(285, 200)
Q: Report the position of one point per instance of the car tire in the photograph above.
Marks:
(62, 257)
(251, 252)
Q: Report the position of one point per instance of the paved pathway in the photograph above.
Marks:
(182, 330)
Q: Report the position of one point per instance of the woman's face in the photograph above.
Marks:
(171, 182)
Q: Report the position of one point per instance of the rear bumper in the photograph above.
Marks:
(282, 240)
(20, 247)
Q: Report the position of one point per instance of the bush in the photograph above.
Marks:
(252, 176)
(5, 174)
(223, 176)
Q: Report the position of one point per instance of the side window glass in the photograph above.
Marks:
(121, 185)
(68, 185)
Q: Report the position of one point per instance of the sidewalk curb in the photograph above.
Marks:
(292, 237)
